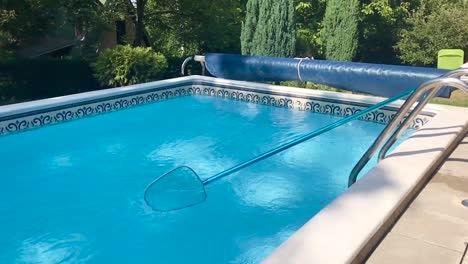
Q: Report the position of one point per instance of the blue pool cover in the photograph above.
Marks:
(375, 79)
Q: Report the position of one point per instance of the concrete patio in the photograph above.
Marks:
(434, 228)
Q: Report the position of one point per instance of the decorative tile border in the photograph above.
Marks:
(330, 107)
(304, 103)
(87, 110)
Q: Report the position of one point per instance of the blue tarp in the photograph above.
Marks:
(375, 79)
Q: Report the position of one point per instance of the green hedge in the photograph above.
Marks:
(44, 77)
(126, 65)
(30, 79)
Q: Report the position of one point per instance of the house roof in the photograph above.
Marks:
(56, 38)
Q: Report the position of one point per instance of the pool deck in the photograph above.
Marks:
(434, 228)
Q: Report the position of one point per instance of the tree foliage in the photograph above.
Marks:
(269, 28)
(309, 16)
(186, 27)
(432, 29)
(379, 31)
(23, 21)
(340, 29)
(387, 31)
(380, 24)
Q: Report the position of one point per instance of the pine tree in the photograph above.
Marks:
(340, 29)
(269, 28)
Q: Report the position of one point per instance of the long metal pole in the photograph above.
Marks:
(307, 136)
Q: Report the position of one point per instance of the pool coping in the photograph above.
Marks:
(339, 233)
(31, 115)
(19, 108)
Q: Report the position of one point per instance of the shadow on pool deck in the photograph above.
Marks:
(434, 228)
(413, 152)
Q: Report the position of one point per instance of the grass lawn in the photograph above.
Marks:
(458, 98)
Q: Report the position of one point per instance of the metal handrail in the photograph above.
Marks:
(198, 58)
(405, 124)
(423, 93)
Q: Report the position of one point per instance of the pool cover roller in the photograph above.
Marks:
(376, 79)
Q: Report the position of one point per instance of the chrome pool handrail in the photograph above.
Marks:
(413, 114)
(426, 91)
(198, 58)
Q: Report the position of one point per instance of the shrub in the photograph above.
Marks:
(30, 79)
(126, 65)
(269, 28)
(340, 29)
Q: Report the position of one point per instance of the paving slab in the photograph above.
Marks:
(443, 195)
(445, 231)
(399, 249)
(434, 228)
(457, 163)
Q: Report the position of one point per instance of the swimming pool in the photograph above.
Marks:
(74, 192)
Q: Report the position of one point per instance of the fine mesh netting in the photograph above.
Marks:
(177, 189)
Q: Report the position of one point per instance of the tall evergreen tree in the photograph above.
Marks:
(269, 28)
(340, 29)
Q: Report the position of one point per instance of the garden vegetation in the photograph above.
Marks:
(408, 32)
(126, 65)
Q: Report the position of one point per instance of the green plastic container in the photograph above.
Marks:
(450, 59)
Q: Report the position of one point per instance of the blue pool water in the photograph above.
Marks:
(73, 193)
